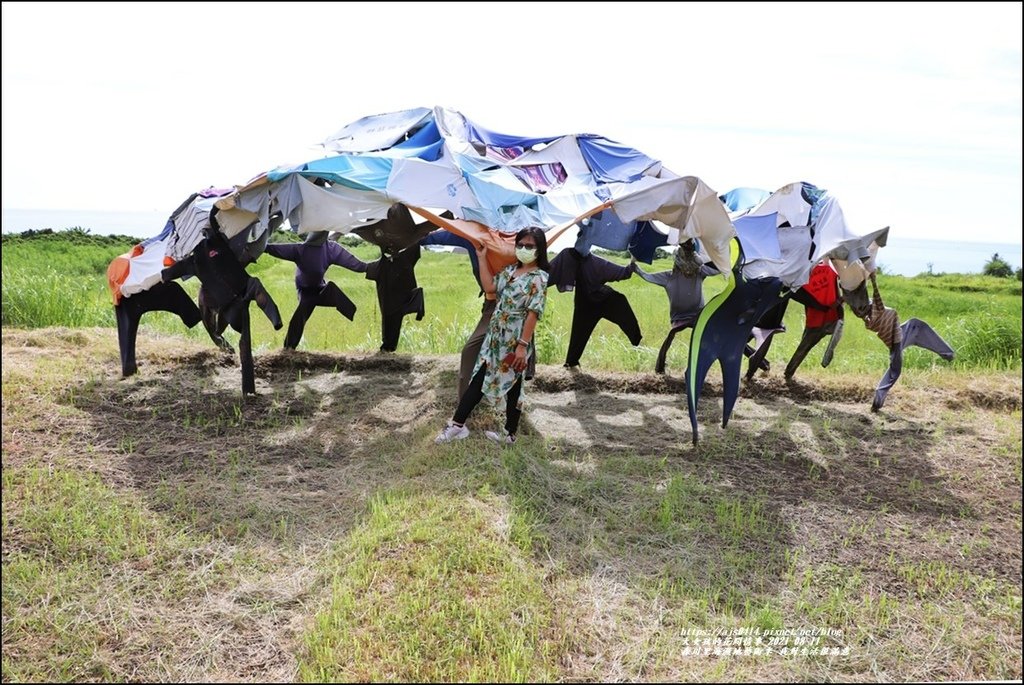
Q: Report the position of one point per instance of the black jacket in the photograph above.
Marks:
(223, 277)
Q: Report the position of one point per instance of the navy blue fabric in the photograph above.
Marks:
(724, 337)
(646, 241)
(605, 229)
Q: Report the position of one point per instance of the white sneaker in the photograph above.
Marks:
(451, 432)
(500, 438)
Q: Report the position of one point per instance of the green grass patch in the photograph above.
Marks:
(59, 279)
(735, 543)
(245, 541)
(431, 589)
(86, 572)
(69, 516)
(874, 623)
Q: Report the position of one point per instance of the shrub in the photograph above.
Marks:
(990, 342)
(351, 240)
(997, 266)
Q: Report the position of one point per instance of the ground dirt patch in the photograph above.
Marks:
(807, 510)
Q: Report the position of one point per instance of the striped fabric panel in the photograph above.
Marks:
(188, 232)
(883, 321)
(503, 154)
(539, 178)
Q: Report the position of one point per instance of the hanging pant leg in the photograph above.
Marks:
(616, 308)
(307, 303)
(164, 297)
(830, 349)
(416, 305)
(810, 338)
(914, 333)
(173, 298)
(391, 330)
(127, 329)
(237, 315)
(214, 324)
(920, 334)
(659, 365)
(255, 292)
(892, 374)
(332, 296)
(245, 352)
(757, 356)
(585, 315)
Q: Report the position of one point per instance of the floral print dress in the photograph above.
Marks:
(517, 296)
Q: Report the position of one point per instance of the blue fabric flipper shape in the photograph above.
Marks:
(722, 330)
(915, 333)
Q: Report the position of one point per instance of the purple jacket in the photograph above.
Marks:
(312, 261)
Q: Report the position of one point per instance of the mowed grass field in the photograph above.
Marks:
(59, 280)
(160, 528)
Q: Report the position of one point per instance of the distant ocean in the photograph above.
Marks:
(904, 256)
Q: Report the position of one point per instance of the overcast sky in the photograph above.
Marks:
(909, 114)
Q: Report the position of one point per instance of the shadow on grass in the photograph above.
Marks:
(618, 484)
(792, 444)
(293, 464)
(607, 479)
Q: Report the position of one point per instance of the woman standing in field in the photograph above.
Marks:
(520, 289)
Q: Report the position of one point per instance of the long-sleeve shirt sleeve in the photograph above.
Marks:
(181, 269)
(606, 271)
(660, 278)
(339, 256)
(286, 251)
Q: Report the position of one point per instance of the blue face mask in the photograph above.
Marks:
(526, 255)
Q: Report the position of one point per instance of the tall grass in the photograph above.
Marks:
(429, 590)
(50, 298)
(59, 280)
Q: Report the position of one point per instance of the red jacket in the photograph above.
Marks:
(823, 286)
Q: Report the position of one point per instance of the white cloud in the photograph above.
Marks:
(911, 118)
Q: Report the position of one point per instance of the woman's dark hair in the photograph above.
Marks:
(541, 241)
